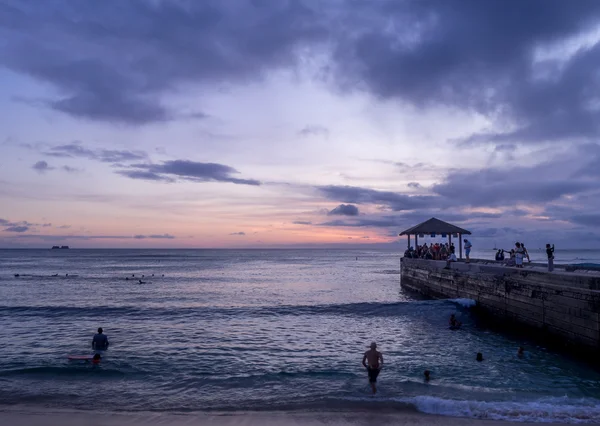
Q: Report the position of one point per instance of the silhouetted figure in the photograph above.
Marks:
(100, 341)
(426, 374)
(479, 357)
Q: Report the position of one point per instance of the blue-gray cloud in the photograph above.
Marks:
(393, 200)
(302, 222)
(238, 233)
(344, 210)
(185, 170)
(113, 72)
(78, 150)
(42, 167)
(155, 236)
(314, 130)
(16, 229)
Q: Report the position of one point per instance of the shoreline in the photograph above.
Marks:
(34, 416)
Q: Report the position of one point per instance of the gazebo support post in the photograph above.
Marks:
(460, 245)
(408, 241)
(416, 241)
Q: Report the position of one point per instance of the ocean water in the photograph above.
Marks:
(262, 330)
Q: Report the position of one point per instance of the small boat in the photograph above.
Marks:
(55, 247)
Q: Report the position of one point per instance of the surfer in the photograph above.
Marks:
(373, 362)
(100, 341)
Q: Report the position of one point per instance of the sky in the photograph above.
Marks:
(268, 124)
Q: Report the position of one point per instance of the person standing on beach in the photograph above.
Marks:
(100, 341)
(550, 253)
(373, 361)
(468, 246)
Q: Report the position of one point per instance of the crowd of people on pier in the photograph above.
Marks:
(445, 251)
(434, 251)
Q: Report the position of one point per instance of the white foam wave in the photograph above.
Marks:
(467, 303)
(548, 410)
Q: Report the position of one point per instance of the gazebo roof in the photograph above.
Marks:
(435, 226)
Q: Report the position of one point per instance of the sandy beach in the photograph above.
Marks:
(36, 417)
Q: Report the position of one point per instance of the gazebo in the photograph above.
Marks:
(435, 227)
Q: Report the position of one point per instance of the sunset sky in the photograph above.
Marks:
(156, 123)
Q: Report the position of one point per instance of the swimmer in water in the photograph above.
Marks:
(426, 374)
(453, 322)
(373, 362)
(479, 357)
(142, 282)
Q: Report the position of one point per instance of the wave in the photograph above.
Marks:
(76, 369)
(350, 309)
(547, 410)
(465, 303)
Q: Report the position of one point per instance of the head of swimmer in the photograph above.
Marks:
(479, 356)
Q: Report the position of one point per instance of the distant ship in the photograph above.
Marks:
(59, 247)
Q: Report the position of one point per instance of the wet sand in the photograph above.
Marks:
(39, 417)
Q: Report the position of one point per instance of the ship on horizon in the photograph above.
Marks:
(59, 247)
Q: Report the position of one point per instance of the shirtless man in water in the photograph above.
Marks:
(373, 361)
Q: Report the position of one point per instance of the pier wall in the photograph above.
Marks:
(561, 306)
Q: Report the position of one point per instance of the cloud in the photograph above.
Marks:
(16, 229)
(586, 219)
(344, 210)
(414, 185)
(395, 201)
(302, 222)
(185, 170)
(238, 233)
(70, 169)
(63, 227)
(108, 71)
(314, 130)
(42, 167)
(461, 56)
(45, 225)
(77, 150)
(155, 236)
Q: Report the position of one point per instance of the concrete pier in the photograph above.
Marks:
(560, 306)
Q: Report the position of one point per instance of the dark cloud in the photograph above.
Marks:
(395, 201)
(344, 210)
(16, 229)
(42, 167)
(414, 185)
(77, 150)
(159, 236)
(459, 54)
(45, 225)
(314, 130)
(113, 60)
(185, 170)
(586, 219)
(238, 233)
(302, 222)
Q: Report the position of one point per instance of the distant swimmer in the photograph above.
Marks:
(100, 341)
(373, 362)
(152, 274)
(427, 375)
(133, 275)
(454, 323)
(142, 282)
(17, 275)
(66, 275)
(126, 278)
(55, 275)
(479, 357)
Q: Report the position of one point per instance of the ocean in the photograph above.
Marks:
(264, 330)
